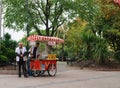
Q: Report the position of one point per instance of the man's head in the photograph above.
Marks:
(20, 45)
(37, 44)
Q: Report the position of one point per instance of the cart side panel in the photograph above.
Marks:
(35, 65)
(31, 64)
(48, 62)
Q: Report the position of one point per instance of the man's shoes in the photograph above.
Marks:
(26, 76)
(19, 76)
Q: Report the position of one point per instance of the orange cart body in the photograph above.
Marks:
(42, 64)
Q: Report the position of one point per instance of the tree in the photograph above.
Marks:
(84, 44)
(88, 10)
(8, 42)
(108, 23)
(7, 52)
(72, 39)
(47, 13)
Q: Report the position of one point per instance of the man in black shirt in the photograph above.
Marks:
(34, 53)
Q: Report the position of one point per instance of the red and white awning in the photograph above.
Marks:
(117, 2)
(45, 38)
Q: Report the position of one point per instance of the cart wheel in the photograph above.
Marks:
(41, 72)
(52, 70)
(35, 73)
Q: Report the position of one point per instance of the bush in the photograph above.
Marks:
(3, 58)
(10, 54)
(117, 55)
(101, 52)
(63, 55)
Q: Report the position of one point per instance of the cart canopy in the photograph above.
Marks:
(45, 38)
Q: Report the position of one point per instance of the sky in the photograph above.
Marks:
(14, 35)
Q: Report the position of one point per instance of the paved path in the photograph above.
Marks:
(67, 77)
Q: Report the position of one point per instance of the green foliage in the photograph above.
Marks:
(88, 10)
(7, 36)
(101, 31)
(84, 44)
(10, 53)
(3, 58)
(63, 54)
(117, 55)
(101, 52)
(73, 40)
(113, 37)
(94, 48)
(15, 14)
(7, 52)
(88, 41)
(108, 22)
(8, 42)
(47, 13)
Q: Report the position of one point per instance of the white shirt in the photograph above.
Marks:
(31, 51)
(23, 50)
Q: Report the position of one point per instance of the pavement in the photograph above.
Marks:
(66, 76)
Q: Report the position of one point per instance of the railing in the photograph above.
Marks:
(8, 65)
(71, 61)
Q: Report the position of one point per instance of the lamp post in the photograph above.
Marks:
(0, 21)
(27, 25)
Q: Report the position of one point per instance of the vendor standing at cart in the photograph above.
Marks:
(21, 59)
(34, 53)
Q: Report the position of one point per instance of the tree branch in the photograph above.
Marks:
(55, 22)
(37, 29)
(40, 15)
(59, 24)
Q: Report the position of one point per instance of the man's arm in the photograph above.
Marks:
(25, 52)
(16, 52)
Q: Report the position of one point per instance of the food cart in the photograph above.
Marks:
(39, 66)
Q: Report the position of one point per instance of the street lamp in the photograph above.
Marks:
(0, 21)
(27, 25)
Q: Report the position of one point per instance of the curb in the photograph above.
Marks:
(9, 72)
